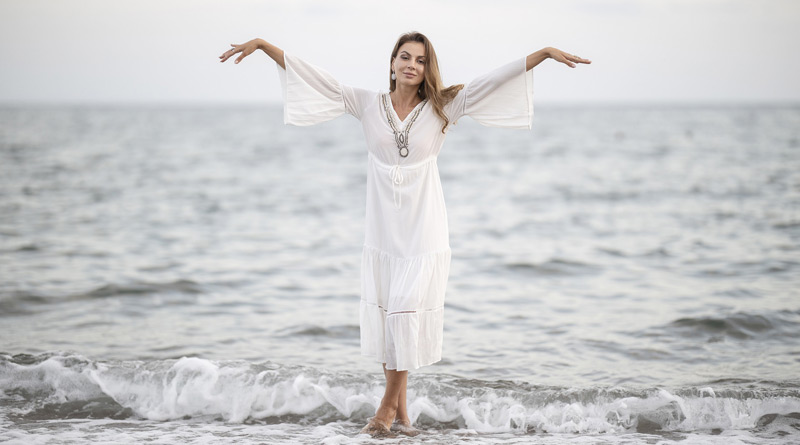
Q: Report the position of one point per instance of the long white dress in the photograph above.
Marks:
(406, 255)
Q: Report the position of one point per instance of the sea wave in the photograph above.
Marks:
(740, 326)
(27, 302)
(61, 385)
(555, 267)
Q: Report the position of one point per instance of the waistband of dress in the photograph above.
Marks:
(381, 164)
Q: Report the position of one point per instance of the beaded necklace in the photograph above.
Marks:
(401, 137)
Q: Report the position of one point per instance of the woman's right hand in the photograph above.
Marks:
(245, 48)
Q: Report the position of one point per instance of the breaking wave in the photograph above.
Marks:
(67, 386)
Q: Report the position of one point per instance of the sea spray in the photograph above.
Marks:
(63, 385)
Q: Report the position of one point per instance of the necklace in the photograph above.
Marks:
(401, 137)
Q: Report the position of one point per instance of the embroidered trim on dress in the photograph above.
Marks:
(401, 137)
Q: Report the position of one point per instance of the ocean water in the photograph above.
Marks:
(620, 275)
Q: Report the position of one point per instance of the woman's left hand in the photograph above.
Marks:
(553, 53)
(566, 58)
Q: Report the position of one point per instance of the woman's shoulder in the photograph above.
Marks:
(365, 94)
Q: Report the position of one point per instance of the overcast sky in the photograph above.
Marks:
(165, 51)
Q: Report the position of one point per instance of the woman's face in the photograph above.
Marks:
(409, 64)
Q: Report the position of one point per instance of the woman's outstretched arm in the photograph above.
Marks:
(247, 48)
(553, 53)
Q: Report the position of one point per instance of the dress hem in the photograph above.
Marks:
(379, 360)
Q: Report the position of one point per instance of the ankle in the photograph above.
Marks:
(386, 413)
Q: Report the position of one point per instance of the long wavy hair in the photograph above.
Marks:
(431, 87)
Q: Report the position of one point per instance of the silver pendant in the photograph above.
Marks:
(401, 136)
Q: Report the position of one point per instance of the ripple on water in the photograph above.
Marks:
(737, 326)
(555, 267)
(340, 331)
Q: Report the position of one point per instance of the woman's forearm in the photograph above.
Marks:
(273, 51)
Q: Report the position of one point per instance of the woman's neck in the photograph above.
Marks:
(405, 96)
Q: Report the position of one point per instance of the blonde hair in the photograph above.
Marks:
(431, 87)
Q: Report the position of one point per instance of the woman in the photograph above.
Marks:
(406, 254)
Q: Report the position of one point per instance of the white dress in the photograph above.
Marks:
(406, 254)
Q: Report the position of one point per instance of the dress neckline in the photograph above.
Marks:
(394, 112)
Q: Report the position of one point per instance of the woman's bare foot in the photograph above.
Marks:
(377, 429)
(404, 427)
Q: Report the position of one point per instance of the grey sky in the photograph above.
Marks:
(166, 50)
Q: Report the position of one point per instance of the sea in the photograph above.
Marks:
(621, 274)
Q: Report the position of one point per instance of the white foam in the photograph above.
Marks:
(51, 377)
(194, 387)
(204, 432)
(491, 413)
(237, 391)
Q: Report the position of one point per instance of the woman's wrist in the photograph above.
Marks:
(537, 57)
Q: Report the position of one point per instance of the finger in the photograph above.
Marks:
(578, 59)
(240, 58)
(229, 53)
(226, 55)
(565, 60)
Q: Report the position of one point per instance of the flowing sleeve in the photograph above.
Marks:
(311, 95)
(500, 98)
